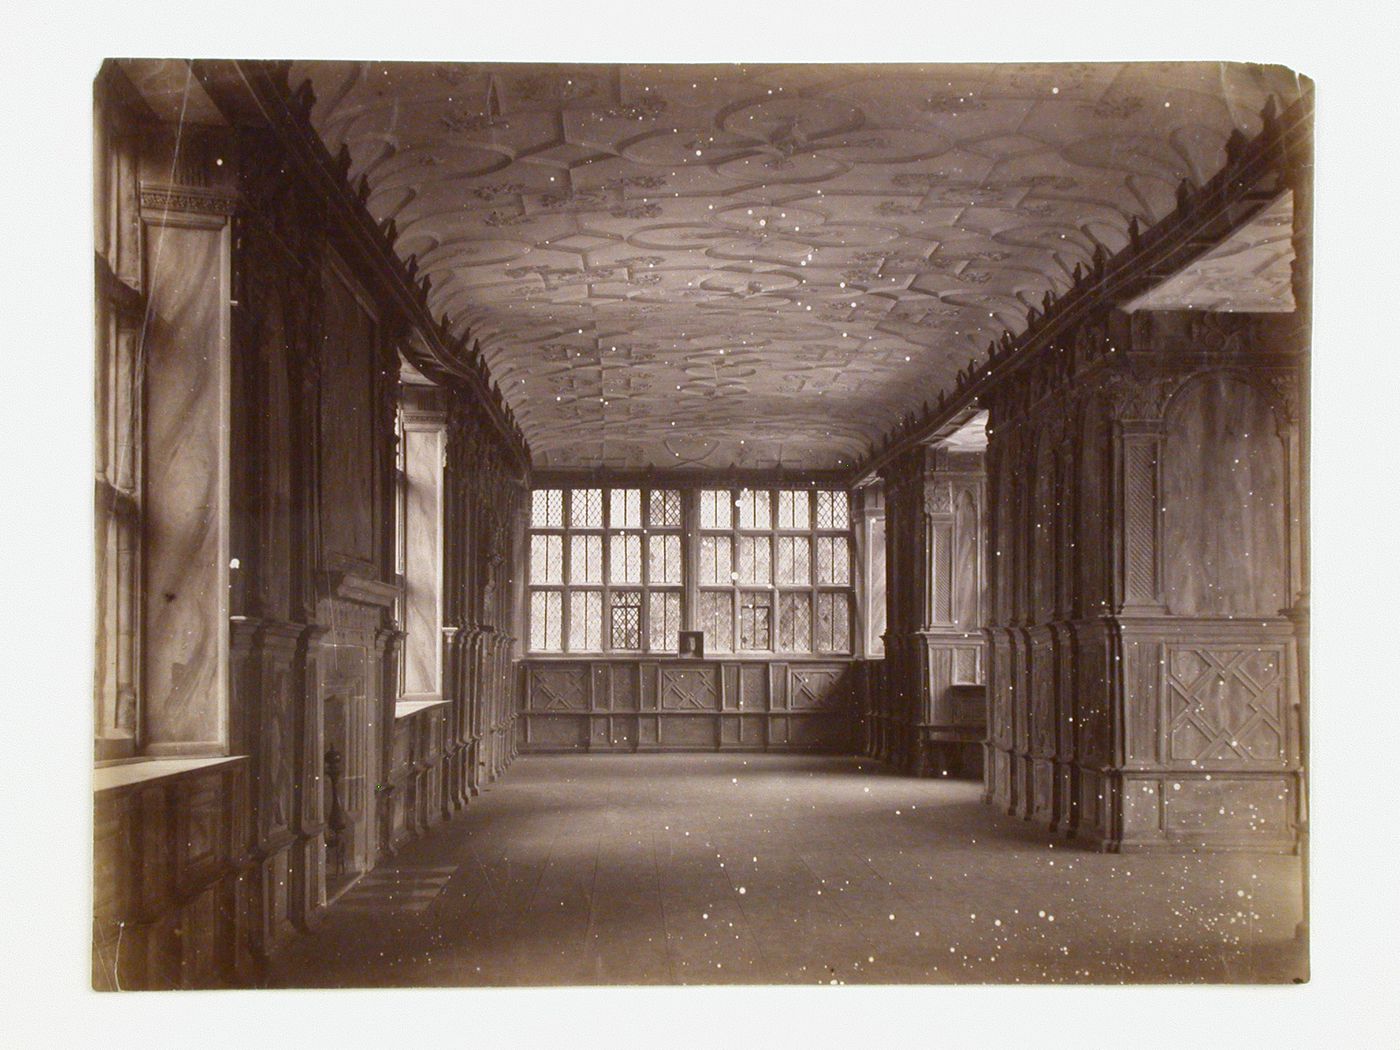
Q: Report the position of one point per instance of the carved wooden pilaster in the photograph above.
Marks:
(308, 812)
(1138, 437)
(388, 642)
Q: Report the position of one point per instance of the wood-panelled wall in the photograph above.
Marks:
(929, 715)
(1146, 576)
(298, 629)
(172, 863)
(669, 704)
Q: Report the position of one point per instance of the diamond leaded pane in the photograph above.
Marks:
(794, 560)
(664, 508)
(716, 556)
(754, 560)
(832, 510)
(626, 626)
(717, 620)
(794, 511)
(664, 559)
(585, 621)
(626, 509)
(665, 626)
(586, 509)
(625, 563)
(833, 623)
(546, 559)
(755, 621)
(585, 559)
(754, 509)
(545, 609)
(795, 623)
(716, 512)
(547, 508)
(833, 560)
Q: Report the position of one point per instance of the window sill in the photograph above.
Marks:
(127, 772)
(408, 708)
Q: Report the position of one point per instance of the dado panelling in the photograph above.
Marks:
(658, 705)
(171, 888)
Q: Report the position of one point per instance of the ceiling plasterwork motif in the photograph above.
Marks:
(760, 266)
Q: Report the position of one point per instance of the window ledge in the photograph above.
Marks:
(406, 708)
(126, 772)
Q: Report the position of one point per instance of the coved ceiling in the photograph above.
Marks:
(760, 266)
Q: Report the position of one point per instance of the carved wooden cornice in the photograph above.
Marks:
(1256, 171)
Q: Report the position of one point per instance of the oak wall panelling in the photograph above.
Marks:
(1144, 671)
(670, 704)
(170, 869)
(931, 717)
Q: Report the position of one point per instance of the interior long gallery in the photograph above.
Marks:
(654, 524)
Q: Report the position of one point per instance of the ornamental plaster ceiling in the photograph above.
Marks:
(760, 266)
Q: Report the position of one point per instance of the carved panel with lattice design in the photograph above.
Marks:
(1225, 705)
(1140, 511)
(689, 689)
(559, 689)
(815, 689)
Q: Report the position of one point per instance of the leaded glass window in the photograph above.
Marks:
(795, 622)
(832, 511)
(716, 510)
(664, 510)
(833, 622)
(755, 620)
(626, 622)
(665, 625)
(586, 509)
(607, 567)
(754, 560)
(717, 620)
(586, 559)
(754, 509)
(716, 555)
(546, 559)
(547, 509)
(794, 511)
(626, 509)
(794, 560)
(833, 560)
(585, 621)
(663, 559)
(625, 560)
(545, 621)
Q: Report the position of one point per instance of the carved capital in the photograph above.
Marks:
(938, 497)
(1284, 393)
(1131, 397)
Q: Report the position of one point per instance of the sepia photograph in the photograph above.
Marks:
(700, 524)
(737, 526)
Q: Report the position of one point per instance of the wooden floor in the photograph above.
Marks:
(671, 869)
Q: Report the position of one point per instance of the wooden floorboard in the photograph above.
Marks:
(718, 869)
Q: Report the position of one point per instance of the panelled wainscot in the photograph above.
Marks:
(671, 704)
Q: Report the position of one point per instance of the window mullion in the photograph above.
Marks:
(734, 556)
(644, 612)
